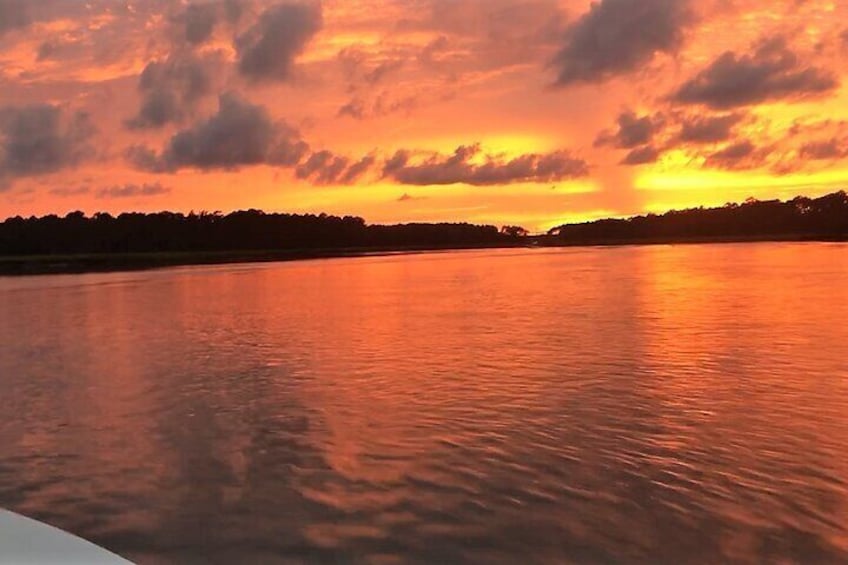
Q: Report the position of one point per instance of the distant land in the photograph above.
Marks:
(77, 243)
(802, 218)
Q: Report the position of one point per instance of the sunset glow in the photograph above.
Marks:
(530, 112)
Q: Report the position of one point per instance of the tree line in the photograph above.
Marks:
(248, 230)
(253, 230)
(818, 218)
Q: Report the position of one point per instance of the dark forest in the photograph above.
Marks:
(800, 218)
(76, 242)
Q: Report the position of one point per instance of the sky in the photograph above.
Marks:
(529, 112)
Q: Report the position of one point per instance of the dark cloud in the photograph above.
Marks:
(47, 50)
(145, 159)
(772, 72)
(132, 190)
(619, 36)
(267, 50)
(185, 73)
(39, 139)
(354, 108)
(233, 10)
(396, 161)
(288, 149)
(708, 129)
(641, 156)
(383, 70)
(70, 49)
(196, 23)
(159, 107)
(824, 150)
(739, 155)
(428, 54)
(356, 170)
(325, 167)
(736, 151)
(632, 131)
(383, 105)
(171, 89)
(322, 167)
(200, 20)
(14, 14)
(240, 133)
(490, 170)
(243, 134)
(807, 126)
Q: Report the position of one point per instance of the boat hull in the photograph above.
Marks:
(28, 542)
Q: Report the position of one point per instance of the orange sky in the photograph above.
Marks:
(533, 112)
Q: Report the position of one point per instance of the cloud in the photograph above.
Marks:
(733, 152)
(356, 170)
(288, 149)
(824, 150)
(14, 14)
(158, 108)
(48, 50)
(19, 14)
(636, 133)
(144, 158)
(632, 131)
(406, 197)
(39, 139)
(647, 137)
(132, 191)
(171, 89)
(773, 72)
(325, 167)
(354, 108)
(490, 170)
(233, 10)
(383, 70)
(243, 134)
(383, 105)
(641, 156)
(708, 129)
(268, 49)
(200, 20)
(739, 155)
(240, 133)
(619, 36)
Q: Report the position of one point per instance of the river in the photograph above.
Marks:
(638, 404)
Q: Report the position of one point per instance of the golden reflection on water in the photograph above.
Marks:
(634, 403)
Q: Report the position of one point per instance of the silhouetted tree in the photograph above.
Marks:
(801, 217)
(249, 230)
(514, 231)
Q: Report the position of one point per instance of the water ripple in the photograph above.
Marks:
(597, 405)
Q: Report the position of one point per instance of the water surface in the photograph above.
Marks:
(638, 404)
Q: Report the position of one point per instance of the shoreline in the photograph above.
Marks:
(33, 265)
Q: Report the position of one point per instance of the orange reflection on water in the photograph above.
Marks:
(589, 404)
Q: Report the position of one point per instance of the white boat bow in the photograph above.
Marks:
(24, 541)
